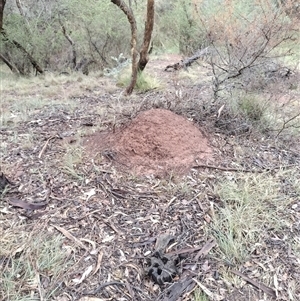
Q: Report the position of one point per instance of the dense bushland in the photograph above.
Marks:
(75, 34)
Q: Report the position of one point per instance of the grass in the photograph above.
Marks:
(31, 258)
(144, 82)
(72, 159)
(200, 296)
(252, 107)
(251, 205)
(51, 86)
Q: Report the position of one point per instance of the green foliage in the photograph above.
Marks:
(98, 30)
(177, 28)
(251, 106)
(200, 296)
(144, 82)
(35, 257)
(247, 201)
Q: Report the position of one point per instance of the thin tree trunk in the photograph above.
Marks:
(18, 2)
(144, 58)
(2, 4)
(11, 66)
(129, 14)
(74, 54)
(27, 54)
(18, 45)
(19, 5)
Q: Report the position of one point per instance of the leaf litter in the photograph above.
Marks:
(113, 219)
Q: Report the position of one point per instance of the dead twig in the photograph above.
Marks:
(258, 285)
(213, 296)
(242, 170)
(28, 206)
(206, 249)
(45, 146)
(286, 124)
(71, 237)
(101, 287)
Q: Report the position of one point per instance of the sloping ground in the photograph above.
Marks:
(109, 223)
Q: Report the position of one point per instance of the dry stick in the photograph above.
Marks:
(28, 206)
(240, 170)
(284, 126)
(258, 285)
(211, 295)
(38, 278)
(99, 261)
(45, 146)
(67, 234)
(10, 65)
(101, 287)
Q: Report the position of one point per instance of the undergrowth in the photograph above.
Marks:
(30, 260)
(250, 206)
(144, 81)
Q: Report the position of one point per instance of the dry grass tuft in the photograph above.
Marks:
(144, 82)
(251, 206)
(31, 261)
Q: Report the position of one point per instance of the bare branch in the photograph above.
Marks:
(286, 124)
(18, 2)
(27, 54)
(10, 65)
(2, 4)
(74, 54)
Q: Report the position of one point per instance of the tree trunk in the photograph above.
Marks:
(144, 58)
(11, 66)
(74, 54)
(27, 54)
(2, 4)
(20, 8)
(129, 14)
(18, 45)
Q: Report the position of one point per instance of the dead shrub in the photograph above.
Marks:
(247, 44)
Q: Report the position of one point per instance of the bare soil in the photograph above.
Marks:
(157, 142)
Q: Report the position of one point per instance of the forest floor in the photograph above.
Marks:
(151, 196)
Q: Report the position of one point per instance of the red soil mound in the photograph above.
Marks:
(154, 142)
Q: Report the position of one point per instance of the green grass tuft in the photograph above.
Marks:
(29, 260)
(251, 206)
(144, 82)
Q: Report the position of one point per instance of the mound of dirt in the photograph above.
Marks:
(154, 142)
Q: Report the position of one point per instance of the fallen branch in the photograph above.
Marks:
(212, 296)
(101, 287)
(45, 146)
(28, 206)
(258, 285)
(10, 65)
(242, 170)
(67, 234)
(189, 61)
